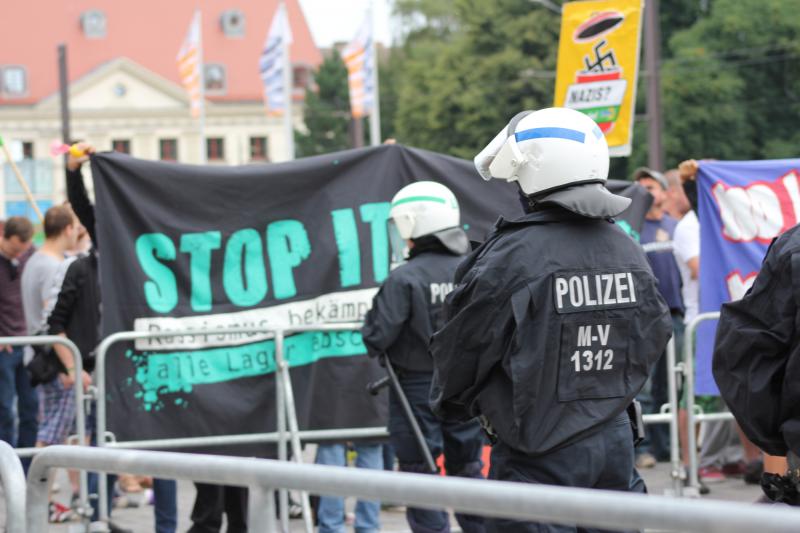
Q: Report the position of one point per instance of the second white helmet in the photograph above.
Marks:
(424, 208)
(547, 150)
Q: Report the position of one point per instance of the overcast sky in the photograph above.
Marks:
(332, 21)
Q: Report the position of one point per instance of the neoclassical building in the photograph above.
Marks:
(124, 90)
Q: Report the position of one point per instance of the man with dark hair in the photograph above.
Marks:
(14, 253)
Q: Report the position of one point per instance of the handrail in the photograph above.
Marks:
(311, 435)
(12, 480)
(80, 418)
(691, 417)
(541, 503)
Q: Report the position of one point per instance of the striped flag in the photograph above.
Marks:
(359, 57)
(273, 61)
(190, 65)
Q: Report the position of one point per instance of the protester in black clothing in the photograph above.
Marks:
(77, 315)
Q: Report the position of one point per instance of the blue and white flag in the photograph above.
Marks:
(743, 206)
(274, 61)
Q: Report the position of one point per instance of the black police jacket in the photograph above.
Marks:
(757, 351)
(408, 309)
(552, 330)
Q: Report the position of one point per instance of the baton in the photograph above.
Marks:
(391, 379)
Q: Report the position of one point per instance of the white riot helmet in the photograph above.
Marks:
(426, 208)
(552, 150)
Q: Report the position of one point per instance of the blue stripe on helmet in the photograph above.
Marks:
(551, 133)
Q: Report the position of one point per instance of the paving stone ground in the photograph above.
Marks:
(140, 519)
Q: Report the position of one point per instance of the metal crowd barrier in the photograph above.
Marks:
(12, 481)
(288, 432)
(669, 415)
(694, 416)
(541, 503)
(80, 417)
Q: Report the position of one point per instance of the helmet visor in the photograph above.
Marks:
(397, 245)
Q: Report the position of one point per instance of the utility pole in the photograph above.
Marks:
(357, 132)
(652, 52)
(63, 85)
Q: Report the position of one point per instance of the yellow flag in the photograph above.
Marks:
(598, 63)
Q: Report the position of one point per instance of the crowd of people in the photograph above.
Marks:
(519, 355)
(671, 239)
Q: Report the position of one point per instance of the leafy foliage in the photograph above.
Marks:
(474, 67)
(327, 111)
(728, 76)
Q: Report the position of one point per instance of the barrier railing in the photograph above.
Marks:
(669, 415)
(80, 418)
(287, 427)
(12, 481)
(676, 467)
(541, 503)
(693, 416)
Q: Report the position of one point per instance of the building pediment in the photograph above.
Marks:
(121, 84)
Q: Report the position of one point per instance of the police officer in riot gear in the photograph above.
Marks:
(555, 321)
(424, 226)
(756, 358)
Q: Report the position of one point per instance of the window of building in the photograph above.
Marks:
(258, 149)
(122, 146)
(301, 77)
(232, 22)
(38, 173)
(215, 149)
(168, 149)
(215, 79)
(93, 24)
(27, 150)
(15, 81)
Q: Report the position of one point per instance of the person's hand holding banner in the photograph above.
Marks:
(78, 154)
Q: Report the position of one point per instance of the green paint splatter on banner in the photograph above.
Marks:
(158, 374)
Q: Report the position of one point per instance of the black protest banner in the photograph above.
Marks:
(299, 243)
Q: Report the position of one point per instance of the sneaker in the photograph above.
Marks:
(645, 460)
(736, 469)
(763, 499)
(59, 513)
(710, 475)
(113, 527)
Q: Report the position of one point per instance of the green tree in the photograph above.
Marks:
(327, 111)
(729, 89)
(728, 76)
(467, 67)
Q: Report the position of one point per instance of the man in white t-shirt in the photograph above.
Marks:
(686, 245)
(724, 446)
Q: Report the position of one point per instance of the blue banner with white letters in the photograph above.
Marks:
(743, 206)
